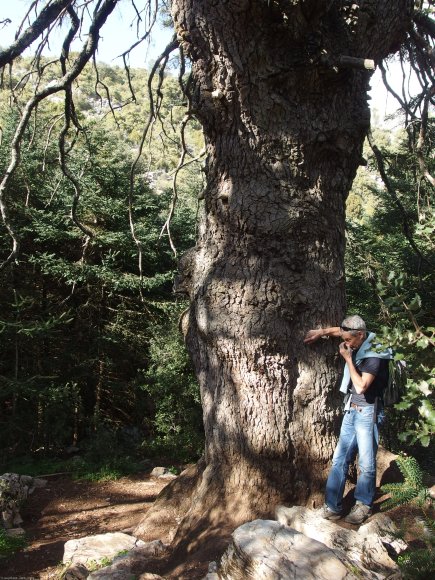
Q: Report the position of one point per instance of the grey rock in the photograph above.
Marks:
(381, 526)
(76, 572)
(39, 483)
(159, 471)
(363, 548)
(267, 550)
(95, 548)
(168, 476)
(128, 565)
(107, 574)
(15, 532)
(14, 490)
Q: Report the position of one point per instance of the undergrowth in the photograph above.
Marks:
(417, 564)
(10, 544)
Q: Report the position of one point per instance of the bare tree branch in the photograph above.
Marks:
(160, 62)
(53, 123)
(181, 165)
(50, 13)
(423, 45)
(64, 83)
(125, 55)
(145, 36)
(421, 140)
(167, 224)
(98, 81)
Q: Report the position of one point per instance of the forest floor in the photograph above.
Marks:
(67, 509)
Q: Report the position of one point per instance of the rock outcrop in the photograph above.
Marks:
(301, 545)
(14, 490)
(128, 554)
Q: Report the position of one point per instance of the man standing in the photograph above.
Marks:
(365, 375)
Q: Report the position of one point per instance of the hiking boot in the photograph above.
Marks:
(358, 514)
(328, 514)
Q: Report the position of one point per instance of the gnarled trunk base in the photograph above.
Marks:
(196, 515)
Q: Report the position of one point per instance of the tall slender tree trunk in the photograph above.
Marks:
(284, 121)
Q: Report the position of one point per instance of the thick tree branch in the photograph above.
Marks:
(49, 14)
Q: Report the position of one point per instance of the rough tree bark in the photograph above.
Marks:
(284, 120)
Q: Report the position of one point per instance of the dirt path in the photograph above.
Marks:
(68, 509)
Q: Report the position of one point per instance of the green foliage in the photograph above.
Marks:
(109, 468)
(414, 563)
(94, 565)
(169, 380)
(418, 564)
(77, 316)
(413, 343)
(106, 456)
(10, 544)
(36, 466)
(391, 280)
(110, 472)
(411, 489)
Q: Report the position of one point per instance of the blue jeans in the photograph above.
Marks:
(359, 434)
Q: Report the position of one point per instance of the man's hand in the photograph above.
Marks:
(360, 382)
(345, 351)
(313, 335)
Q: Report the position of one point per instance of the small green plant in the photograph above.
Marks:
(94, 565)
(62, 567)
(98, 474)
(110, 470)
(354, 570)
(10, 544)
(411, 489)
(417, 565)
(414, 564)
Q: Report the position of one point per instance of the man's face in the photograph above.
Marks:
(353, 341)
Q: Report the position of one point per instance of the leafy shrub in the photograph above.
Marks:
(411, 489)
(415, 564)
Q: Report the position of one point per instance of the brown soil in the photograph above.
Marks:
(68, 509)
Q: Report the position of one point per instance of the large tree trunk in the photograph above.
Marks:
(284, 123)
